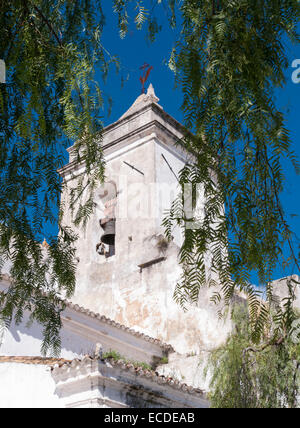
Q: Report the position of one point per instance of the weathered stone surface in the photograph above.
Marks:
(117, 287)
(95, 383)
(281, 290)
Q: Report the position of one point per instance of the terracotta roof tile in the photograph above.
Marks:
(33, 360)
(166, 347)
(139, 371)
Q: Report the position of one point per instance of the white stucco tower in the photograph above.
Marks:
(133, 283)
(126, 276)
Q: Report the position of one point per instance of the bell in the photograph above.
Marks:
(108, 237)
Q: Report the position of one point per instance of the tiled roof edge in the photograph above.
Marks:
(166, 347)
(139, 371)
(47, 361)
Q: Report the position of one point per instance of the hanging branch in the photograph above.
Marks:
(49, 25)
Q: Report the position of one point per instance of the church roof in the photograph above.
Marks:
(166, 347)
(58, 364)
(142, 101)
(145, 117)
(129, 367)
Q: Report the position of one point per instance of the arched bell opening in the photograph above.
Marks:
(108, 237)
(106, 245)
(109, 234)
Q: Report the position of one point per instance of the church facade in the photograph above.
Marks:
(125, 342)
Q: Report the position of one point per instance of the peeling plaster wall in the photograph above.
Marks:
(280, 288)
(189, 369)
(79, 335)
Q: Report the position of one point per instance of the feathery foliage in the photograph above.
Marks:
(245, 376)
(50, 100)
(228, 58)
(228, 61)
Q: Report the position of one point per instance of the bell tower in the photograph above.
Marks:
(127, 270)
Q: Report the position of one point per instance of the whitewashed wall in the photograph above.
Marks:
(27, 386)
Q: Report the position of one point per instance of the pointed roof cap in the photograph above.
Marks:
(45, 244)
(142, 101)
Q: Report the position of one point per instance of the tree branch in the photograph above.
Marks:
(49, 25)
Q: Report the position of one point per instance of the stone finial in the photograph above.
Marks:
(45, 244)
(151, 93)
(142, 101)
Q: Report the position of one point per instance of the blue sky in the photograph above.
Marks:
(288, 101)
(134, 50)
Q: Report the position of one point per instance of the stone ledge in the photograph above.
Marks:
(33, 360)
(121, 383)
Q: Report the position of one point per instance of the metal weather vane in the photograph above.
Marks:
(146, 71)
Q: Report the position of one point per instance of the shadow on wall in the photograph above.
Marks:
(26, 339)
